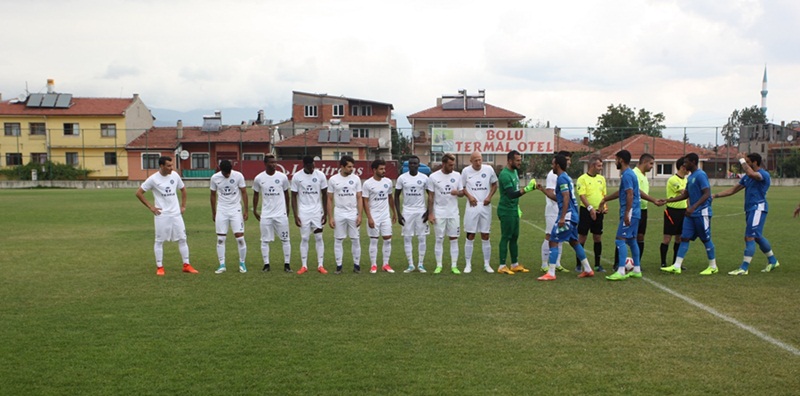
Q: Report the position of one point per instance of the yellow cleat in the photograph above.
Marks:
(519, 268)
(504, 270)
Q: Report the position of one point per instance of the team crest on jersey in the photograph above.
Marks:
(351, 182)
(314, 180)
(385, 186)
(419, 182)
(452, 180)
(483, 175)
(172, 182)
(277, 181)
(231, 181)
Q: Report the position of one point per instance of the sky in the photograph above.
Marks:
(564, 62)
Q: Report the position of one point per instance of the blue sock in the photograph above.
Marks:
(709, 249)
(580, 252)
(749, 251)
(683, 249)
(553, 256)
(763, 243)
(623, 252)
(634, 251)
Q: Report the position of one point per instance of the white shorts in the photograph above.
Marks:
(308, 224)
(169, 228)
(414, 225)
(345, 227)
(477, 219)
(549, 222)
(383, 227)
(447, 227)
(270, 226)
(233, 220)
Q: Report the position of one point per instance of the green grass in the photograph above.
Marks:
(83, 312)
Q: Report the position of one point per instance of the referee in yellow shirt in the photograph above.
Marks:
(591, 187)
(673, 215)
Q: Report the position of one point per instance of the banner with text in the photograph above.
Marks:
(494, 140)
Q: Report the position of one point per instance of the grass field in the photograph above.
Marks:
(83, 312)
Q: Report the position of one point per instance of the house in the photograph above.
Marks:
(199, 148)
(459, 111)
(327, 144)
(362, 119)
(86, 132)
(771, 141)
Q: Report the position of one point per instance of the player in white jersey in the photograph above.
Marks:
(273, 186)
(168, 211)
(379, 207)
(414, 216)
(550, 217)
(311, 213)
(445, 184)
(480, 184)
(228, 194)
(344, 189)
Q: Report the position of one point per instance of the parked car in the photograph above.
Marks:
(422, 168)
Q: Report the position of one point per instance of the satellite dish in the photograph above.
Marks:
(184, 155)
(317, 158)
(789, 138)
(382, 142)
(22, 97)
(415, 134)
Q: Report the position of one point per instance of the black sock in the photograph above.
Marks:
(598, 252)
(675, 247)
(664, 250)
(616, 257)
(641, 249)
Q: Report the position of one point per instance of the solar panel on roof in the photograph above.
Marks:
(345, 136)
(323, 136)
(63, 101)
(35, 100)
(334, 136)
(473, 104)
(49, 100)
(456, 104)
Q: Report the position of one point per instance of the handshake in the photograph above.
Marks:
(531, 186)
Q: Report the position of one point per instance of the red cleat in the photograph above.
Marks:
(188, 268)
(302, 271)
(586, 274)
(546, 277)
(322, 270)
(160, 271)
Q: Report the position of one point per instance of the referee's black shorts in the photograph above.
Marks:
(643, 223)
(673, 221)
(586, 224)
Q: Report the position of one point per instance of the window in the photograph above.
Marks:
(110, 158)
(487, 158)
(338, 110)
(38, 158)
(339, 154)
(253, 156)
(484, 124)
(436, 156)
(437, 124)
(37, 128)
(108, 130)
(200, 161)
(311, 111)
(72, 158)
(72, 130)
(12, 128)
(360, 132)
(150, 160)
(365, 110)
(663, 169)
(13, 159)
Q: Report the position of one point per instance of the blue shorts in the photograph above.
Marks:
(571, 233)
(627, 232)
(755, 223)
(697, 227)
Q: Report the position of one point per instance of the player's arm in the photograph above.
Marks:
(648, 198)
(286, 200)
(365, 203)
(680, 197)
(140, 194)
(324, 207)
(360, 204)
(213, 205)
(797, 211)
(629, 206)
(391, 207)
(396, 201)
(609, 197)
(727, 193)
(706, 195)
(492, 190)
(748, 170)
(294, 210)
(255, 205)
(246, 211)
(550, 193)
(329, 211)
(431, 216)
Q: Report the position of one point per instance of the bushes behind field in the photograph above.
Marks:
(46, 171)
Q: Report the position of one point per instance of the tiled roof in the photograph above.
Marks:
(662, 149)
(78, 107)
(492, 112)
(167, 137)
(569, 145)
(309, 139)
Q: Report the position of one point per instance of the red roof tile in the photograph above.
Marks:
(167, 137)
(310, 139)
(492, 112)
(662, 149)
(78, 107)
(569, 145)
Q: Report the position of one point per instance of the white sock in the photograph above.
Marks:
(242, 249)
(221, 249)
(183, 247)
(551, 269)
(438, 250)
(356, 248)
(409, 248)
(453, 252)
(158, 249)
(712, 263)
(468, 252)
(387, 251)
(319, 246)
(678, 262)
(586, 266)
(560, 250)
(422, 247)
(304, 251)
(545, 253)
(287, 251)
(487, 252)
(265, 251)
(338, 251)
(373, 251)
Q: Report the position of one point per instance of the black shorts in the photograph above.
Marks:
(673, 221)
(643, 223)
(586, 224)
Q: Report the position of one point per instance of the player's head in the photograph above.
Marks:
(646, 162)
(165, 164)
(225, 167)
(566, 154)
(690, 161)
(448, 163)
(514, 159)
(308, 164)
(594, 165)
(622, 157)
(378, 168)
(680, 163)
(476, 159)
(270, 162)
(560, 164)
(346, 164)
(754, 159)
(413, 165)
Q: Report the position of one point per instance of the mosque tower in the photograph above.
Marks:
(764, 93)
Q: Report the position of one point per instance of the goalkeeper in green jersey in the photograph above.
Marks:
(509, 213)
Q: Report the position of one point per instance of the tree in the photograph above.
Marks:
(401, 145)
(621, 122)
(739, 119)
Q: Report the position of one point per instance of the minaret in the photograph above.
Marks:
(764, 92)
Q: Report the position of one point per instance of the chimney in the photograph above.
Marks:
(260, 118)
(218, 114)
(585, 140)
(135, 96)
(50, 85)
(180, 129)
(438, 102)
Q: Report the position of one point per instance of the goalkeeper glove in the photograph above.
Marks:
(531, 186)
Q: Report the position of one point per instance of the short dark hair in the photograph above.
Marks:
(345, 159)
(561, 161)
(225, 166)
(268, 157)
(449, 157)
(692, 157)
(646, 156)
(308, 160)
(565, 153)
(625, 155)
(163, 159)
(679, 162)
(378, 162)
(512, 154)
(755, 157)
(413, 157)
(594, 158)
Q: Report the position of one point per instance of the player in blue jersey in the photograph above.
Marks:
(755, 184)
(566, 228)
(697, 223)
(630, 212)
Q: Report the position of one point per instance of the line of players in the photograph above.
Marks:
(341, 200)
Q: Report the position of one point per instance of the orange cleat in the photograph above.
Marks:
(160, 271)
(546, 277)
(586, 274)
(188, 268)
(322, 270)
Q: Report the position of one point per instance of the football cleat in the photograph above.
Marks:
(220, 270)
(672, 269)
(738, 271)
(632, 274)
(468, 269)
(488, 269)
(188, 268)
(357, 269)
(504, 270)
(586, 274)
(421, 269)
(520, 268)
(302, 270)
(616, 277)
(387, 268)
(709, 271)
(771, 267)
(438, 270)
(409, 270)
(455, 270)
(160, 271)
(564, 270)
(373, 269)
(546, 277)
(322, 270)
(242, 268)
(266, 268)
(338, 270)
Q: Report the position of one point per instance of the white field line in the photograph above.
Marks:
(752, 330)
